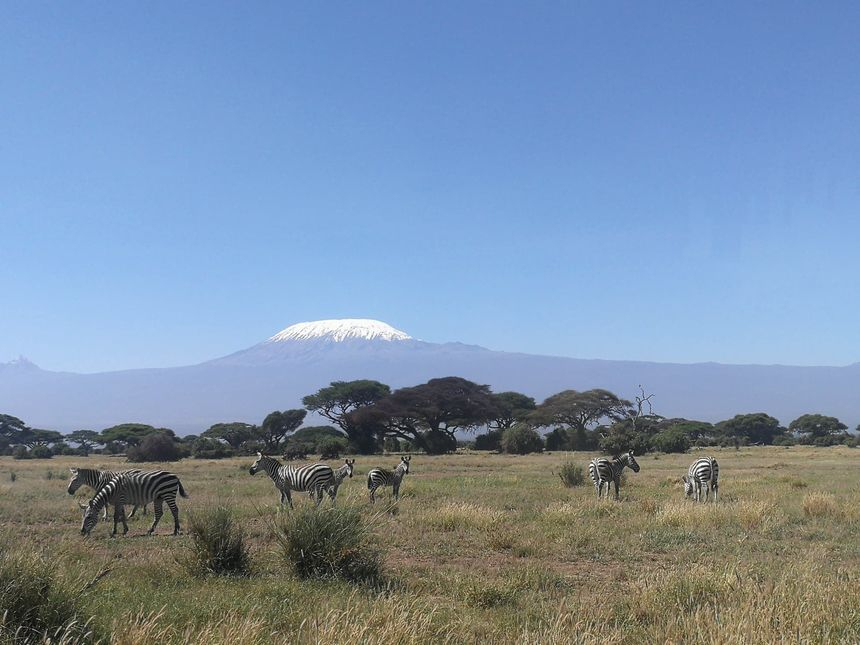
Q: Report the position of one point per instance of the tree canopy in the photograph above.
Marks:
(234, 434)
(511, 407)
(818, 429)
(278, 425)
(340, 400)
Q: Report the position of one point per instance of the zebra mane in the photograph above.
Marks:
(101, 498)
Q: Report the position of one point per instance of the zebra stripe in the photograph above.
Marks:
(381, 477)
(603, 470)
(703, 473)
(339, 475)
(314, 479)
(155, 486)
(96, 479)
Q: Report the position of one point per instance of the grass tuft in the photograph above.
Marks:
(817, 504)
(572, 474)
(36, 605)
(218, 544)
(333, 542)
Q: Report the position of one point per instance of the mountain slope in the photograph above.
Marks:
(276, 373)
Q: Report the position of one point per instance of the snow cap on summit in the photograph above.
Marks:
(340, 330)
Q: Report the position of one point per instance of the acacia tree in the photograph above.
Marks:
(819, 429)
(573, 413)
(510, 408)
(750, 429)
(278, 425)
(11, 429)
(131, 434)
(338, 403)
(86, 439)
(430, 415)
(234, 434)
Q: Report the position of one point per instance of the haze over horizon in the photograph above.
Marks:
(628, 182)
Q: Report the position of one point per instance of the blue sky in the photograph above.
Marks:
(654, 181)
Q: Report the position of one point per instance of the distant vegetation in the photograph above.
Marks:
(369, 417)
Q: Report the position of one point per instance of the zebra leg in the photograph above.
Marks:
(117, 510)
(171, 504)
(373, 495)
(104, 513)
(123, 518)
(289, 498)
(396, 490)
(159, 511)
(317, 493)
(707, 491)
(617, 483)
(332, 492)
(716, 485)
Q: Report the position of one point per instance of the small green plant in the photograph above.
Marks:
(12, 475)
(36, 606)
(572, 474)
(49, 475)
(333, 542)
(218, 543)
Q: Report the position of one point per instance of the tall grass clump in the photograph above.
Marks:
(333, 542)
(218, 543)
(572, 474)
(36, 606)
(817, 504)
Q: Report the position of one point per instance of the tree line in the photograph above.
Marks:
(368, 417)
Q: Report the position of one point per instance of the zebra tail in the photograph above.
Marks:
(182, 490)
(368, 482)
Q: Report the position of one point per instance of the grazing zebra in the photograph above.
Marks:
(339, 475)
(381, 477)
(314, 479)
(155, 486)
(703, 473)
(95, 479)
(608, 471)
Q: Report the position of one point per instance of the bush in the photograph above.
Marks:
(391, 444)
(333, 542)
(572, 474)
(521, 440)
(203, 448)
(332, 448)
(35, 605)
(155, 447)
(21, 452)
(41, 452)
(218, 543)
(489, 441)
(671, 440)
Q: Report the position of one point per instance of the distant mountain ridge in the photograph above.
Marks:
(277, 372)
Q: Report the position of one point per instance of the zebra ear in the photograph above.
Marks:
(631, 453)
(684, 478)
(259, 454)
(74, 471)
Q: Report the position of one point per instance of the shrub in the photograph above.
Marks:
(155, 447)
(204, 448)
(12, 475)
(331, 448)
(333, 542)
(391, 444)
(489, 441)
(817, 504)
(41, 452)
(671, 440)
(35, 605)
(572, 474)
(521, 440)
(218, 543)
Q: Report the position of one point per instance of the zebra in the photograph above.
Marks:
(156, 486)
(314, 479)
(339, 475)
(381, 477)
(95, 479)
(603, 470)
(703, 473)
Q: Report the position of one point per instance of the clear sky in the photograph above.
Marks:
(656, 181)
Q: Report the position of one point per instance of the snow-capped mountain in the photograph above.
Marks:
(338, 331)
(276, 373)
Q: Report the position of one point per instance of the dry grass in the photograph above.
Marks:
(488, 548)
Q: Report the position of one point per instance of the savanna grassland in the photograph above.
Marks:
(483, 548)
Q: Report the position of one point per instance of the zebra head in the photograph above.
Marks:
(631, 462)
(90, 518)
(349, 465)
(688, 486)
(76, 481)
(255, 467)
(404, 464)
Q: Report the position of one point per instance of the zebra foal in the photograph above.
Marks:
(704, 474)
(381, 477)
(136, 488)
(314, 479)
(608, 471)
(339, 475)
